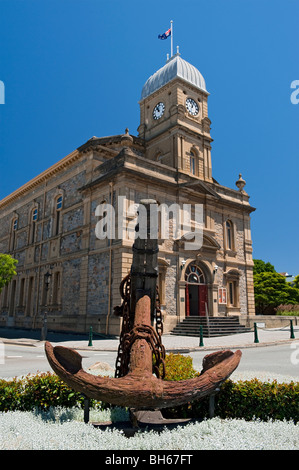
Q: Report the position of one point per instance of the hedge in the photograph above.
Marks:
(247, 399)
(38, 391)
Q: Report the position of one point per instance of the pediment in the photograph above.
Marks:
(232, 273)
(209, 243)
(200, 187)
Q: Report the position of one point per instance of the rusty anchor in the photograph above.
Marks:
(135, 385)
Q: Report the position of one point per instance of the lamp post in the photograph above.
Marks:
(47, 279)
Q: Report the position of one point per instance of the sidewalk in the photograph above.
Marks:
(172, 343)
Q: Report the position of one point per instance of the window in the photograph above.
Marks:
(57, 288)
(45, 293)
(33, 224)
(12, 298)
(192, 163)
(162, 268)
(58, 207)
(233, 287)
(232, 293)
(14, 227)
(5, 296)
(22, 293)
(59, 203)
(229, 235)
(194, 274)
(29, 304)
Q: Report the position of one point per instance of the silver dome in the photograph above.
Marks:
(174, 67)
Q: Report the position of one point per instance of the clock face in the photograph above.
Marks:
(158, 110)
(192, 107)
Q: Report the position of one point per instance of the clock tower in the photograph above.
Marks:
(174, 119)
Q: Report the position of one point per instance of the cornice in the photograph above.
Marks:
(41, 178)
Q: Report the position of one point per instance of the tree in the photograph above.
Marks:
(261, 267)
(270, 290)
(296, 282)
(7, 269)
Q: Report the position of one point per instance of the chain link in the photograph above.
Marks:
(129, 335)
(122, 360)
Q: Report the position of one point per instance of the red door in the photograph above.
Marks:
(202, 299)
(187, 301)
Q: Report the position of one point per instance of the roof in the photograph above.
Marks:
(175, 67)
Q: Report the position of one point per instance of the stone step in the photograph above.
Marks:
(211, 327)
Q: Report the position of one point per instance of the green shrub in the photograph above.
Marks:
(38, 391)
(179, 367)
(247, 400)
(291, 313)
(287, 310)
(256, 399)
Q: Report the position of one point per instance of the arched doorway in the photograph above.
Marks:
(196, 293)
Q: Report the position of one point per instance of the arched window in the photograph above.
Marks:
(229, 235)
(194, 274)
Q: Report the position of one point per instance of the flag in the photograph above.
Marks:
(165, 35)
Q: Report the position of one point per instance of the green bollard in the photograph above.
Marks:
(200, 336)
(292, 336)
(256, 340)
(90, 336)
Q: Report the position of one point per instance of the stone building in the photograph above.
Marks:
(49, 224)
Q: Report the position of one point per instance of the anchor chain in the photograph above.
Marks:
(121, 364)
(130, 334)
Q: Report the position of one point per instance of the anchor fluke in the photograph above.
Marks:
(135, 391)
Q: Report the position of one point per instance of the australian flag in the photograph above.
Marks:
(165, 35)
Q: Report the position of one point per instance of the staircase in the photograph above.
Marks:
(213, 326)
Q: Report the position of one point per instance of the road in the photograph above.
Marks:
(281, 359)
(22, 360)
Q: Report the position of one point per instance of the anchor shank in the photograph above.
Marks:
(141, 352)
(144, 270)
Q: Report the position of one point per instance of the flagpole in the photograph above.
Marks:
(171, 39)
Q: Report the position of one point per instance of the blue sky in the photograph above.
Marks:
(73, 69)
